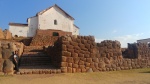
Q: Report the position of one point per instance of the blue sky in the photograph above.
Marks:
(123, 20)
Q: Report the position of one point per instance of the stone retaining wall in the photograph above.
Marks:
(82, 54)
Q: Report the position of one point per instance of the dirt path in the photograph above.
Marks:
(138, 76)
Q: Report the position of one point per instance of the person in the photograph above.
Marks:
(16, 60)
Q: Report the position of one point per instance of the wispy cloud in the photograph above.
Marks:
(114, 31)
(125, 39)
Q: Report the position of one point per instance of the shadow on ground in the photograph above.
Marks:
(145, 72)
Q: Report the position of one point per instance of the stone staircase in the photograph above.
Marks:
(34, 60)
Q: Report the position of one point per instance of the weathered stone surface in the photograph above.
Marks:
(1, 34)
(7, 34)
(8, 67)
(7, 53)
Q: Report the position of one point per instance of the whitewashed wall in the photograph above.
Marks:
(46, 20)
(33, 26)
(19, 30)
(75, 31)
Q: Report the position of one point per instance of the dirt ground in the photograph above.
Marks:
(136, 76)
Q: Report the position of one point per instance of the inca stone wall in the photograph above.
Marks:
(55, 52)
(82, 54)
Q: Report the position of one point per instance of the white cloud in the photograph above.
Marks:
(125, 39)
(114, 31)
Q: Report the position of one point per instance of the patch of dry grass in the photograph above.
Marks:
(136, 76)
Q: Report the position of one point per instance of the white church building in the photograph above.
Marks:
(52, 18)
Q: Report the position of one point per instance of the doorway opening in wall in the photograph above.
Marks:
(16, 36)
(55, 34)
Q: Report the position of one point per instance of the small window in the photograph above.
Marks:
(55, 34)
(55, 22)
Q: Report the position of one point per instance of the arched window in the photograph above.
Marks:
(55, 22)
(55, 34)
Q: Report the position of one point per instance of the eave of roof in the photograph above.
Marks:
(76, 26)
(41, 12)
(18, 24)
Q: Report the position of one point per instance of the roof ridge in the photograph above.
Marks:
(55, 5)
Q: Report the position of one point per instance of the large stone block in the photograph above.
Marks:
(76, 60)
(64, 48)
(65, 53)
(64, 69)
(8, 67)
(95, 60)
(70, 60)
(75, 65)
(74, 54)
(87, 64)
(71, 50)
(7, 54)
(101, 65)
(81, 62)
(64, 64)
(89, 60)
(70, 46)
(64, 58)
(81, 55)
(74, 43)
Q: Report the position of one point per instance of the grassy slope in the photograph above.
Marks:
(136, 76)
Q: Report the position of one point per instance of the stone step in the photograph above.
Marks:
(34, 64)
(33, 50)
(33, 47)
(35, 57)
(34, 60)
(31, 58)
(34, 54)
(39, 71)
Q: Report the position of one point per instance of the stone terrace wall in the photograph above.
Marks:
(82, 54)
(46, 38)
(43, 40)
(137, 50)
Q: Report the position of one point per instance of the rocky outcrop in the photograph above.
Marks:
(1, 34)
(5, 34)
(6, 55)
